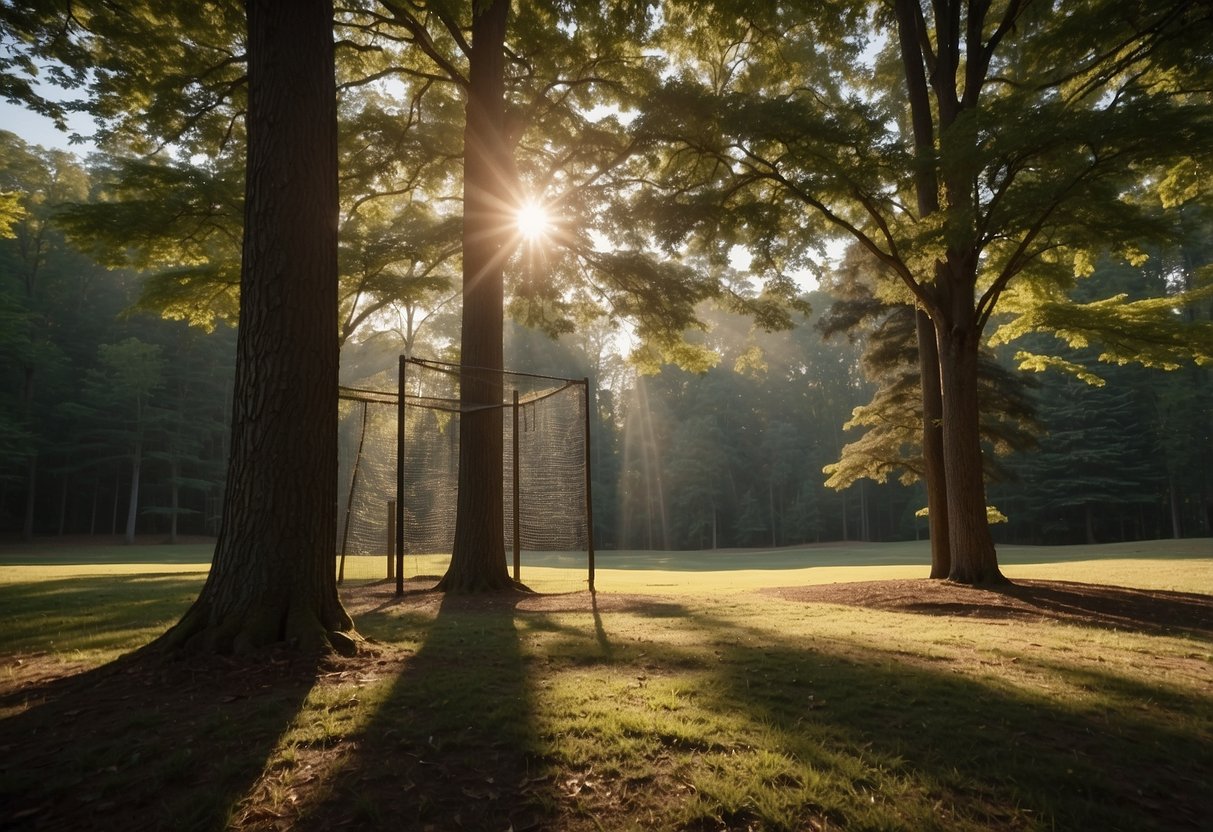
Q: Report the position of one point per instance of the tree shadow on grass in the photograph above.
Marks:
(788, 731)
(1140, 610)
(92, 612)
(452, 744)
(1069, 602)
(990, 754)
(145, 742)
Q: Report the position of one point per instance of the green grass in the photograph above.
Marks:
(677, 700)
(95, 616)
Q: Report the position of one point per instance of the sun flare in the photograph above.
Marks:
(533, 221)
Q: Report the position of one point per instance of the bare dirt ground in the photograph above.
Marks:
(1111, 607)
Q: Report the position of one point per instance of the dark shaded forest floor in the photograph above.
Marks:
(201, 744)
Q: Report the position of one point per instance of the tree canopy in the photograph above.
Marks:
(984, 161)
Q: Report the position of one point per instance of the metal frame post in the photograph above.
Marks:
(589, 497)
(400, 415)
(349, 502)
(391, 539)
(517, 500)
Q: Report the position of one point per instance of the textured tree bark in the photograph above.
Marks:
(272, 579)
(932, 446)
(31, 463)
(478, 557)
(927, 192)
(973, 558)
(132, 508)
(174, 499)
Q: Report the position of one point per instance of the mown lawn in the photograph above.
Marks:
(677, 698)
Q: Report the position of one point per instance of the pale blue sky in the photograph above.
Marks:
(39, 130)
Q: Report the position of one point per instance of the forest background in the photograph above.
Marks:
(117, 277)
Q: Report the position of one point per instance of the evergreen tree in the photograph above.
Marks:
(892, 422)
(123, 390)
(39, 275)
(1099, 464)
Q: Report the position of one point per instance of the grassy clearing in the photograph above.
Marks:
(698, 706)
(96, 617)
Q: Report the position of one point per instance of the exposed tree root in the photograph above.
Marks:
(252, 628)
(475, 584)
(995, 579)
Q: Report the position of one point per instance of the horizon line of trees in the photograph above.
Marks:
(129, 419)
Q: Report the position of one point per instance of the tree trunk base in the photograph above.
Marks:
(257, 629)
(991, 579)
(476, 584)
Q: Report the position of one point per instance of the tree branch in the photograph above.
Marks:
(423, 41)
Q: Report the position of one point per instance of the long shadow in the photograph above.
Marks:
(880, 727)
(1141, 610)
(600, 633)
(454, 743)
(144, 743)
(1090, 605)
(1127, 767)
(92, 612)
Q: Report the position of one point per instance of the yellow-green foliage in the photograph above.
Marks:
(1151, 331)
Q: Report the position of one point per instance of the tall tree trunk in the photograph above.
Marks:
(932, 446)
(174, 499)
(31, 465)
(972, 548)
(771, 511)
(865, 510)
(478, 556)
(927, 192)
(117, 494)
(31, 491)
(1175, 507)
(272, 580)
(63, 487)
(92, 518)
(132, 509)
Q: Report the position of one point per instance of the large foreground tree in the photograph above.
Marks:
(1013, 194)
(1028, 142)
(272, 578)
(490, 204)
(528, 77)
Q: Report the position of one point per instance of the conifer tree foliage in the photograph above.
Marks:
(272, 579)
(983, 154)
(1124, 453)
(895, 433)
(1100, 463)
(72, 399)
(123, 388)
(39, 275)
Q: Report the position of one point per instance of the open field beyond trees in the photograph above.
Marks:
(807, 689)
